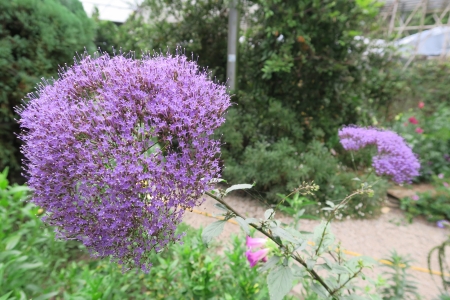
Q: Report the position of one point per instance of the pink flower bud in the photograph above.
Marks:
(421, 104)
(252, 243)
(419, 130)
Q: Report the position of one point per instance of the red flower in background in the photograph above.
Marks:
(413, 120)
(419, 130)
(421, 104)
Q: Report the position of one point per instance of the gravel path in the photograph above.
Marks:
(375, 238)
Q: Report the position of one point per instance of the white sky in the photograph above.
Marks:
(112, 10)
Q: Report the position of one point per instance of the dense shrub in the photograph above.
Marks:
(35, 37)
(427, 130)
(200, 28)
(301, 77)
(434, 205)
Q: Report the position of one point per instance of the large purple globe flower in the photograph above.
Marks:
(394, 159)
(116, 149)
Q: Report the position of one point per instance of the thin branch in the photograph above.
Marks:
(260, 229)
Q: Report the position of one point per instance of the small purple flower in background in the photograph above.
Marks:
(441, 176)
(394, 158)
(254, 257)
(117, 149)
(442, 223)
(415, 197)
(446, 184)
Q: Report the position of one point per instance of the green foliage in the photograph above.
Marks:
(434, 206)
(35, 265)
(443, 265)
(302, 75)
(107, 34)
(399, 284)
(433, 145)
(284, 168)
(35, 37)
(294, 258)
(198, 27)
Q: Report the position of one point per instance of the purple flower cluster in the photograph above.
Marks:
(117, 149)
(394, 159)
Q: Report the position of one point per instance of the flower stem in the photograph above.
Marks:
(270, 236)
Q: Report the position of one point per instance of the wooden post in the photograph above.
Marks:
(394, 14)
(422, 23)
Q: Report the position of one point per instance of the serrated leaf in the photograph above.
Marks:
(279, 282)
(318, 232)
(243, 224)
(320, 290)
(310, 263)
(270, 263)
(268, 213)
(252, 220)
(212, 230)
(338, 269)
(235, 187)
(298, 271)
(221, 206)
(278, 231)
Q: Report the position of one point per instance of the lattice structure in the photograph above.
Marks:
(407, 17)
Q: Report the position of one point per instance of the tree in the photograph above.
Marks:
(36, 36)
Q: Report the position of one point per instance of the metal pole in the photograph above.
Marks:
(233, 28)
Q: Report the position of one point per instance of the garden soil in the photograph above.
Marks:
(376, 238)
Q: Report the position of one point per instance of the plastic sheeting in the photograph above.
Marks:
(428, 42)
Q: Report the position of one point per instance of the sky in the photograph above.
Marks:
(112, 10)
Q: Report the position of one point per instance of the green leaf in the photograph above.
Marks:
(368, 261)
(298, 271)
(268, 213)
(5, 296)
(331, 204)
(279, 281)
(320, 290)
(12, 241)
(29, 266)
(243, 224)
(338, 269)
(238, 187)
(270, 263)
(221, 206)
(284, 234)
(212, 230)
(310, 263)
(47, 296)
(252, 220)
